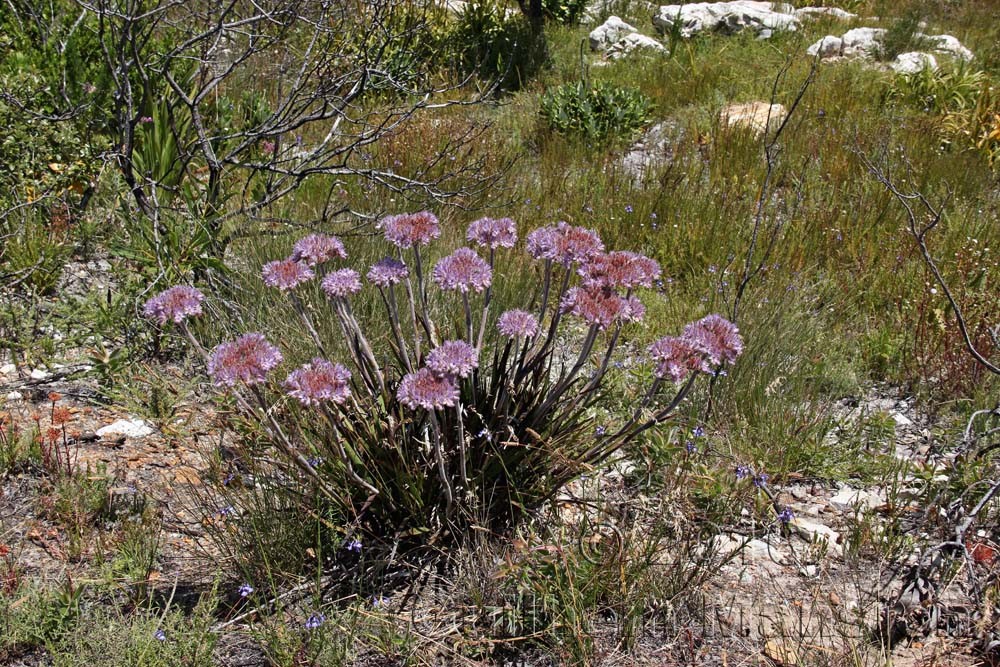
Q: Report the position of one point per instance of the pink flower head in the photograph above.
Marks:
(676, 357)
(518, 324)
(454, 358)
(387, 272)
(493, 232)
(318, 249)
(426, 389)
(602, 307)
(319, 381)
(463, 270)
(246, 359)
(717, 337)
(286, 274)
(409, 229)
(634, 309)
(175, 304)
(620, 268)
(564, 244)
(342, 283)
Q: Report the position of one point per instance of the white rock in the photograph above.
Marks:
(911, 63)
(39, 374)
(817, 533)
(130, 428)
(827, 47)
(823, 12)
(14, 396)
(8, 369)
(757, 116)
(862, 41)
(634, 42)
(950, 45)
(898, 417)
(653, 149)
(725, 17)
(847, 498)
(609, 32)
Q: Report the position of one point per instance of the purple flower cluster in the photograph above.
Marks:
(564, 244)
(319, 381)
(602, 307)
(620, 268)
(314, 621)
(708, 342)
(409, 229)
(493, 232)
(675, 357)
(286, 274)
(718, 337)
(453, 357)
(428, 390)
(342, 283)
(387, 272)
(318, 249)
(246, 359)
(174, 305)
(463, 270)
(518, 324)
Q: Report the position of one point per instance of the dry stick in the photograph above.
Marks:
(919, 234)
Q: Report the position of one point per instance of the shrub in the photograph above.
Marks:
(462, 421)
(599, 113)
(488, 41)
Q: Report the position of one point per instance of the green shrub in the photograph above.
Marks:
(488, 41)
(601, 112)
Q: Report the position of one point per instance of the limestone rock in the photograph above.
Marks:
(633, 42)
(824, 12)
(130, 428)
(864, 42)
(828, 47)
(949, 45)
(817, 533)
(757, 116)
(609, 32)
(725, 17)
(654, 148)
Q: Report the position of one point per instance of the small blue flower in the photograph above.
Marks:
(314, 621)
(600, 431)
(353, 545)
(760, 481)
(315, 461)
(484, 433)
(742, 472)
(785, 515)
(229, 510)
(628, 209)
(691, 447)
(229, 478)
(245, 590)
(379, 601)
(712, 268)
(160, 635)
(698, 432)
(653, 215)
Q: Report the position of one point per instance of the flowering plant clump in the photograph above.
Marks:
(419, 431)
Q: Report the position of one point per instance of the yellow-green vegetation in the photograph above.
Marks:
(174, 164)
